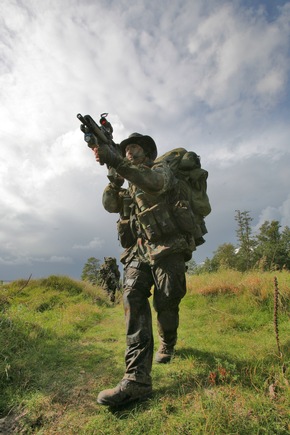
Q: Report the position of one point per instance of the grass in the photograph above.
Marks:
(61, 342)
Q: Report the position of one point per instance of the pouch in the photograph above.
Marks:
(125, 234)
(164, 219)
(184, 217)
(148, 222)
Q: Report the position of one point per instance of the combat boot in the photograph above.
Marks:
(125, 392)
(164, 354)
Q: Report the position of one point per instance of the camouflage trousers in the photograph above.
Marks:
(111, 291)
(168, 279)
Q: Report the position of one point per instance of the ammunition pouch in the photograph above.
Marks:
(156, 222)
(184, 217)
(164, 220)
(125, 234)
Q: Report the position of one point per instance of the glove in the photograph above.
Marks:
(109, 156)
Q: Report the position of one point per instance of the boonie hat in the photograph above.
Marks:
(146, 142)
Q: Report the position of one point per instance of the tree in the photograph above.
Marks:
(245, 257)
(208, 266)
(273, 247)
(268, 245)
(225, 256)
(285, 245)
(91, 271)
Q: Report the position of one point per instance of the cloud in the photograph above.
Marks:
(56, 259)
(280, 214)
(209, 76)
(236, 51)
(95, 243)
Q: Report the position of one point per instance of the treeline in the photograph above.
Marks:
(268, 250)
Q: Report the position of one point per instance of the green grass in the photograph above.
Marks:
(61, 342)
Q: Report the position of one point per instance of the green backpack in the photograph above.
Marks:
(192, 183)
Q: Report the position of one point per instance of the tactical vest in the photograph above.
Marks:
(152, 219)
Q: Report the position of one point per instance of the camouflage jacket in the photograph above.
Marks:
(109, 274)
(146, 228)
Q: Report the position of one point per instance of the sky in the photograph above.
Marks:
(211, 76)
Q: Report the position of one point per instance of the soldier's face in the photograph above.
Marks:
(135, 153)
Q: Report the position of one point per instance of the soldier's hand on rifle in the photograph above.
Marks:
(96, 152)
(106, 154)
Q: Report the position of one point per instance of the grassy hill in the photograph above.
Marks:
(62, 341)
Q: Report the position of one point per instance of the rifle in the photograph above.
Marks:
(99, 136)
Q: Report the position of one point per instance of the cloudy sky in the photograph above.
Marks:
(208, 75)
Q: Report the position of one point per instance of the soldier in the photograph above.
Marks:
(110, 277)
(155, 255)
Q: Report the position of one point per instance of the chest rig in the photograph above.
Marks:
(151, 215)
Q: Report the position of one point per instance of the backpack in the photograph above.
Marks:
(192, 185)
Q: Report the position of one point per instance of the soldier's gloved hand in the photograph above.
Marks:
(105, 154)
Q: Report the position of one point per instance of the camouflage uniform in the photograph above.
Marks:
(152, 257)
(110, 277)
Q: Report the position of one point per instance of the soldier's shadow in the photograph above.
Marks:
(206, 357)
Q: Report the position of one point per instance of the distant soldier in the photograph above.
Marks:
(110, 277)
